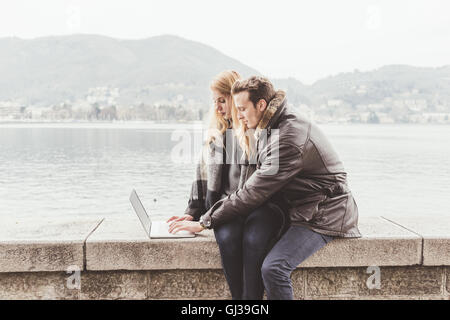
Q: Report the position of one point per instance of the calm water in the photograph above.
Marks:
(88, 170)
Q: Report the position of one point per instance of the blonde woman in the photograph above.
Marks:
(216, 178)
(244, 241)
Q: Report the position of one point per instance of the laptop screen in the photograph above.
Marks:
(140, 211)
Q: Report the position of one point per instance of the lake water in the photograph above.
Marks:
(88, 170)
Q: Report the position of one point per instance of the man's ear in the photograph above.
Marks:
(262, 105)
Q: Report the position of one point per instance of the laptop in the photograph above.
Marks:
(155, 229)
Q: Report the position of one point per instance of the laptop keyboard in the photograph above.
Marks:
(161, 228)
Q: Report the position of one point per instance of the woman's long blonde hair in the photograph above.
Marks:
(222, 83)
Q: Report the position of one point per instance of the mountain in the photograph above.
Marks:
(392, 81)
(171, 71)
(53, 69)
(297, 91)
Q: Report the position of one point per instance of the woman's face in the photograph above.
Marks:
(222, 103)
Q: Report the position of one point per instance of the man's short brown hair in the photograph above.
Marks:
(257, 87)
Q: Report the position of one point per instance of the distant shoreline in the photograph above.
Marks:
(103, 124)
(171, 124)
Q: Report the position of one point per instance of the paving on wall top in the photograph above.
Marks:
(435, 231)
(122, 244)
(382, 244)
(43, 244)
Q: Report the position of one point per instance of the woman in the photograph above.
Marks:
(245, 241)
(212, 182)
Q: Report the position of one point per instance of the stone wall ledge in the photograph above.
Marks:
(116, 260)
(121, 244)
(43, 244)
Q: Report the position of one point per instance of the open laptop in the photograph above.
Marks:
(155, 229)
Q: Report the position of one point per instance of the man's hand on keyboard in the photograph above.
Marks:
(184, 217)
(192, 226)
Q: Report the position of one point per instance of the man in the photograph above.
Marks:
(297, 171)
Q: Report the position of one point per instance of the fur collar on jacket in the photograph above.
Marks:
(274, 105)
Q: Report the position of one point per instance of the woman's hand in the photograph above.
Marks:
(182, 218)
(192, 226)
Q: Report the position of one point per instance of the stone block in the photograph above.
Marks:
(188, 284)
(43, 244)
(123, 245)
(36, 285)
(298, 283)
(113, 285)
(353, 282)
(435, 232)
(382, 244)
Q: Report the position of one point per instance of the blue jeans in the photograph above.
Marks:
(297, 244)
(243, 244)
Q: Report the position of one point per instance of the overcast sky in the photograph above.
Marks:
(280, 38)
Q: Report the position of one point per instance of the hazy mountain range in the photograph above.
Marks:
(49, 70)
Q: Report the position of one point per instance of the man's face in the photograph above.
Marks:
(248, 113)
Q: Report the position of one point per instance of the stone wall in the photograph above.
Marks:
(418, 282)
(114, 259)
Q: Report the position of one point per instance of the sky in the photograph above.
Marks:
(280, 38)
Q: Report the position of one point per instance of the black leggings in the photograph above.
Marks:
(244, 243)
